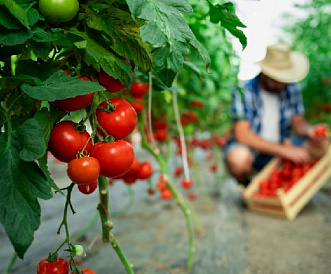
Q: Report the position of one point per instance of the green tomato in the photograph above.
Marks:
(59, 11)
(79, 250)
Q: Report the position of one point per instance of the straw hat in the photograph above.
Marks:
(284, 65)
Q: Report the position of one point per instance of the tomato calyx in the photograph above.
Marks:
(109, 107)
(52, 257)
(80, 127)
(109, 139)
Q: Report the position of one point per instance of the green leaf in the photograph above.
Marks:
(122, 34)
(44, 168)
(7, 20)
(16, 11)
(225, 14)
(21, 184)
(46, 120)
(39, 35)
(38, 70)
(60, 86)
(32, 140)
(14, 37)
(167, 31)
(202, 51)
(97, 56)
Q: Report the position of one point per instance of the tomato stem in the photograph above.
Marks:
(107, 225)
(11, 263)
(183, 204)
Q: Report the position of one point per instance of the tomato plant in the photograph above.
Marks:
(59, 11)
(67, 139)
(83, 170)
(118, 122)
(59, 266)
(115, 158)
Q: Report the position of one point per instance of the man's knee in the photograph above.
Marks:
(239, 162)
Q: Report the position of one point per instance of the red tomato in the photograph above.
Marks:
(139, 105)
(134, 169)
(89, 188)
(150, 191)
(161, 185)
(138, 89)
(160, 134)
(197, 104)
(160, 124)
(60, 266)
(320, 131)
(178, 171)
(129, 180)
(186, 183)
(145, 170)
(192, 116)
(65, 141)
(83, 170)
(115, 158)
(120, 122)
(213, 168)
(192, 195)
(75, 103)
(166, 194)
(110, 83)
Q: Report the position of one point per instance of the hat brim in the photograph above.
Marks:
(295, 73)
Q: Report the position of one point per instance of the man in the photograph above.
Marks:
(267, 110)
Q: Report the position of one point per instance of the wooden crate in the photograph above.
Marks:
(288, 204)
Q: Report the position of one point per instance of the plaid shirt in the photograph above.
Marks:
(247, 105)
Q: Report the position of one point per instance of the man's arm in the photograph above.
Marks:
(244, 135)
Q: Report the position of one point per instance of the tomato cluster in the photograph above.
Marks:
(283, 177)
(162, 186)
(137, 91)
(58, 266)
(138, 171)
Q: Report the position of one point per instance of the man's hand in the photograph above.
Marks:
(295, 154)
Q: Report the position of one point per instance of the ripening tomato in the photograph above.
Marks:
(83, 170)
(111, 84)
(115, 158)
(145, 170)
(60, 266)
(186, 183)
(138, 104)
(120, 122)
(166, 194)
(59, 11)
(75, 103)
(84, 271)
(178, 171)
(138, 89)
(66, 141)
(89, 188)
